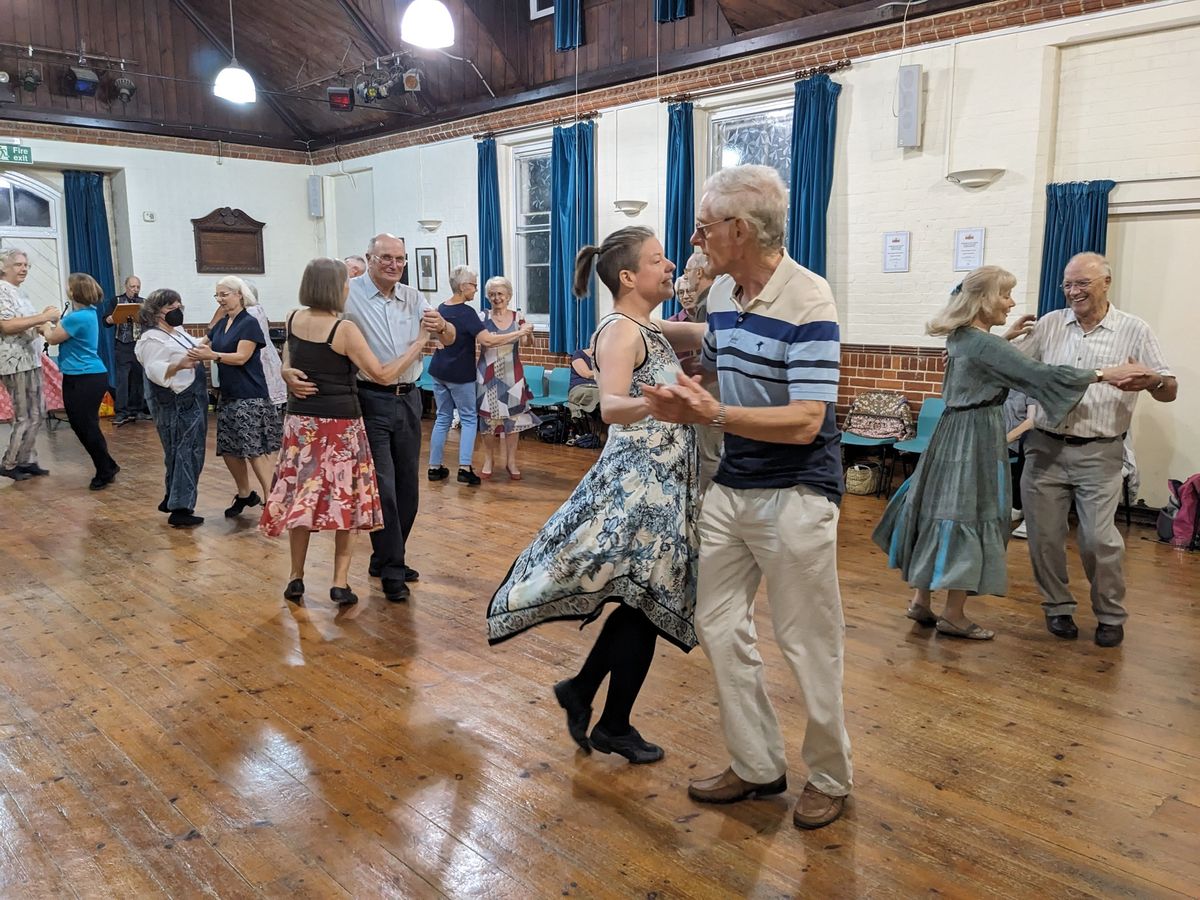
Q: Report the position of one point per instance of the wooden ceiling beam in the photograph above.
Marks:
(380, 45)
(293, 124)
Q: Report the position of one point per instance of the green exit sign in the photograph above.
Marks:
(15, 153)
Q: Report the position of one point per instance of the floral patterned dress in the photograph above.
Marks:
(503, 394)
(626, 534)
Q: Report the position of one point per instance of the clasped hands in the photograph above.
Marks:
(1132, 376)
(686, 402)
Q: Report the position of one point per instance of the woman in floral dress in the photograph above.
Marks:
(325, 477)
(947, 527)
(503, 394)
(625, 535)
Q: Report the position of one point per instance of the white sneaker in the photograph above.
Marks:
(1016, 515)
(1020, 531)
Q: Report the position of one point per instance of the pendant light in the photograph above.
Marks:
(233, 82)
(427, 23)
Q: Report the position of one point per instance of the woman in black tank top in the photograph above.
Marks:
(325, 478)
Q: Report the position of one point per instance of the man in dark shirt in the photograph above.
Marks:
(127, 379)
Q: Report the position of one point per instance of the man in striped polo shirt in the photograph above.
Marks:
(1081, 459)
(772, 338)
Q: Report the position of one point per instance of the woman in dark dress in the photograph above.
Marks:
(947, 527)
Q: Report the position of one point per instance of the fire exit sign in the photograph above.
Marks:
(15, 153)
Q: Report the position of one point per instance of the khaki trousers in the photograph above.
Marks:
(790, 536)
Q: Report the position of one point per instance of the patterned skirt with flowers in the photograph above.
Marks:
(325, 479)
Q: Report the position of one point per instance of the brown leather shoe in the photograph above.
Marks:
(729, 788)
(815, 809)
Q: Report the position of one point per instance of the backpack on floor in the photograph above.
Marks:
(880, 414)
(555, 427)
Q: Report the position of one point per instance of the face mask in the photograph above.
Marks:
(174, 318)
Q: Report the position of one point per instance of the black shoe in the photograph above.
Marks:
(411, 574)
(1062, 626)
(579, 716)
(33, 469)
(374, 570)
(468, 476)
(240, 503)
(123, 420)
(183, 518)
(630, 745)
(294, 590)
(343, 596)
(1109, 635)
(395, 590)
(162, 507)
(99, 483)
(15, 474)
(438, 473)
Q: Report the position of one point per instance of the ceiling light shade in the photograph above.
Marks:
(235, 84)
(427, 23)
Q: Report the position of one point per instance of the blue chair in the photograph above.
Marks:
(559, 381)
(535, 377)
(927, 419)
(425, 382)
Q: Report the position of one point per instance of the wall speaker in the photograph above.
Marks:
(909, 108)
(316, 197)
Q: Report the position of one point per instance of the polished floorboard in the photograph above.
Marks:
(170, 725)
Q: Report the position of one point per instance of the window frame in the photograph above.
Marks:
(53, 198)
(742, 109)
(521, 152)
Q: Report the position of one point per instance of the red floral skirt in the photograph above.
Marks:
(324, 480)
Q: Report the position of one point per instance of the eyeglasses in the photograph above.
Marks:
(702, 227)
(1083, 285)
(221, 295)
(387, 259)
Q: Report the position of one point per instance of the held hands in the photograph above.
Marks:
(202, 352)
(1021, 327)
(1132, 376)
(432, 321)
(686, 402)
(297, 383)
(51, 314)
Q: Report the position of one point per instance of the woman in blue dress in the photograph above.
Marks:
(625, 535)
(947, 527)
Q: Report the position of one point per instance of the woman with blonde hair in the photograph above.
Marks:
(325, 478)
(85, 377)
(947, 527)
(504, 395)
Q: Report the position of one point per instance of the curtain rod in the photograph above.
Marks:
(554, 123)
(761, 82)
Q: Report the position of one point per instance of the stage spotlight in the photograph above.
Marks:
(81, 82)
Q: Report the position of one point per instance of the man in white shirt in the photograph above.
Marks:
(1080, 460)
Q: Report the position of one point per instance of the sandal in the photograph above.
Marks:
(971, 631)
(922, 615)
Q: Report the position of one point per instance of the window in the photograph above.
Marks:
(752, 136)
(20, 208)
(531, 176)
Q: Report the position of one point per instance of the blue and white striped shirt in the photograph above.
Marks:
(781, 346)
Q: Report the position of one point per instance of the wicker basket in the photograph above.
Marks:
(862, 478)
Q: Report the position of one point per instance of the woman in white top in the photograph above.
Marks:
(179, 400)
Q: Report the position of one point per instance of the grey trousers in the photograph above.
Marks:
(29, 409)
(1057, 473)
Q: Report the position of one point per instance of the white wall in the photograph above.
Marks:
(178, 187)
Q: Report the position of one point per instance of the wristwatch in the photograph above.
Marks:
(1099, 375)
(718, 421)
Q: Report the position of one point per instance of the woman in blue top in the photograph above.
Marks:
(248, 426)
(85, 379)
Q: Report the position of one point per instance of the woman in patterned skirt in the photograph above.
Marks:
(625, 535)
(503, 394)
(248, 428)
(325, 479)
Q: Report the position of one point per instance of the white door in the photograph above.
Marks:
(1153, 259)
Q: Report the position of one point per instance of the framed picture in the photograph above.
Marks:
(539, 9)
(456, 252)
(427, 269)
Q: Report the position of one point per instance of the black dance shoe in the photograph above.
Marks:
(294, 590)
(438, 473)
(630, 745)
(343, 596)
(240, 503)
(579, 715)
(33, 469)
(183, 518)
(468, 476)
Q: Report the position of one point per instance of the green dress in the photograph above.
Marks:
(947, 527)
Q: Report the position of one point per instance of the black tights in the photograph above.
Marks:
(623, 651)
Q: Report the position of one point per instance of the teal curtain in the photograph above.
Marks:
(568, 24)
(681, 197)
(88, 246)
(671, 10)
(1076, 222)
(491, 241)
(814, 130)
(572, 226)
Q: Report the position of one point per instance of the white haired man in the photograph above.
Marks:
(355, 265)
(772, 510)
(1080, 460)
(128, 379)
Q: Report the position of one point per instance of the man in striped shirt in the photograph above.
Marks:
(772, 337)
(1081, 459)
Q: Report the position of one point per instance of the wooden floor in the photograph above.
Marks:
(169, 725)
